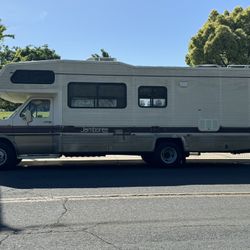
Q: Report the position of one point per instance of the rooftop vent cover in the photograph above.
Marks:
(235, 66)
(102, 59)
(208, 66)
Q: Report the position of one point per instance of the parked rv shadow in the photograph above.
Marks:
(126, 174)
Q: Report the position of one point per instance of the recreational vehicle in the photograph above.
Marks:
(91, 108)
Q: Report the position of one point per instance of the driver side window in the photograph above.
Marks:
(38, 108)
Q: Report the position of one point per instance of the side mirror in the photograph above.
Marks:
(27, 116)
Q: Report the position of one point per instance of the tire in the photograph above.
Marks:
(169, 154)
(148, 158)
(8, 159)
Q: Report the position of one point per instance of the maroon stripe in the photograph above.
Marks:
(125, 130)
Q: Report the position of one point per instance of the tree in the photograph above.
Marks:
(28, 53)
(5, 52)
(6, 55)
(4, 104)
(224, 39)
(31, 53)
(103, 54)
(2, 32)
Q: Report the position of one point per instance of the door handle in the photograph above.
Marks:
(47, 122)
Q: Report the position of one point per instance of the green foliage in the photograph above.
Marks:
(103, 54)
(28, 53)
(31, 53)
(2, 32)
(8, 106)
(6, 55)
(5, 52)
(224, 39)
(4, 115)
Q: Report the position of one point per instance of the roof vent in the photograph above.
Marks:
(102, 59)
(208, 66)
(235, 66)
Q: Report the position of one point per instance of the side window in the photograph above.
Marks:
(152, 97)
(111, 96)
(81, 95)
(97, 95)
(38, 109)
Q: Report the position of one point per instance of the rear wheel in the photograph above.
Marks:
(8, 157)
(169, 154)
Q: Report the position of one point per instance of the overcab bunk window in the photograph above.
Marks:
(97, 95)
(33, 77)
(152, 97)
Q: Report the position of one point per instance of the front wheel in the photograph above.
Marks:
(8, 157)
(169, 154)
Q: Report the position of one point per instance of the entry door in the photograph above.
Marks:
(36, 136)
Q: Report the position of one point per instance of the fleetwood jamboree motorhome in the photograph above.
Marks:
(91, 108)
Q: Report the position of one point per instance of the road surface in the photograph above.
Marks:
(125, 204)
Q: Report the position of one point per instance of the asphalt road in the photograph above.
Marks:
(126, 205)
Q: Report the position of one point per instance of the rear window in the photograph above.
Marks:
(33, 77)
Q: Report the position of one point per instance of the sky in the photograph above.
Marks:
(137, 32)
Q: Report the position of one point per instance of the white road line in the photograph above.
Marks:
(121, 196)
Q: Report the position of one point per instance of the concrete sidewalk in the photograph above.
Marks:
(130, 158)
(220, 156)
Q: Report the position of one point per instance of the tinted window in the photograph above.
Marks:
(97, 95)
(33, 77)
(155, 97)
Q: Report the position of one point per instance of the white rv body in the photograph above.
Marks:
(203, 109)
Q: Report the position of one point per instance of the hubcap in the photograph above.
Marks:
(169, 155)
(3, 156)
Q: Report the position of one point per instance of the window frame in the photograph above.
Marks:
(97, 98)
(151, 98)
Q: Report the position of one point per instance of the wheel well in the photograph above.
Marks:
(178, 141)
(8, 143)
